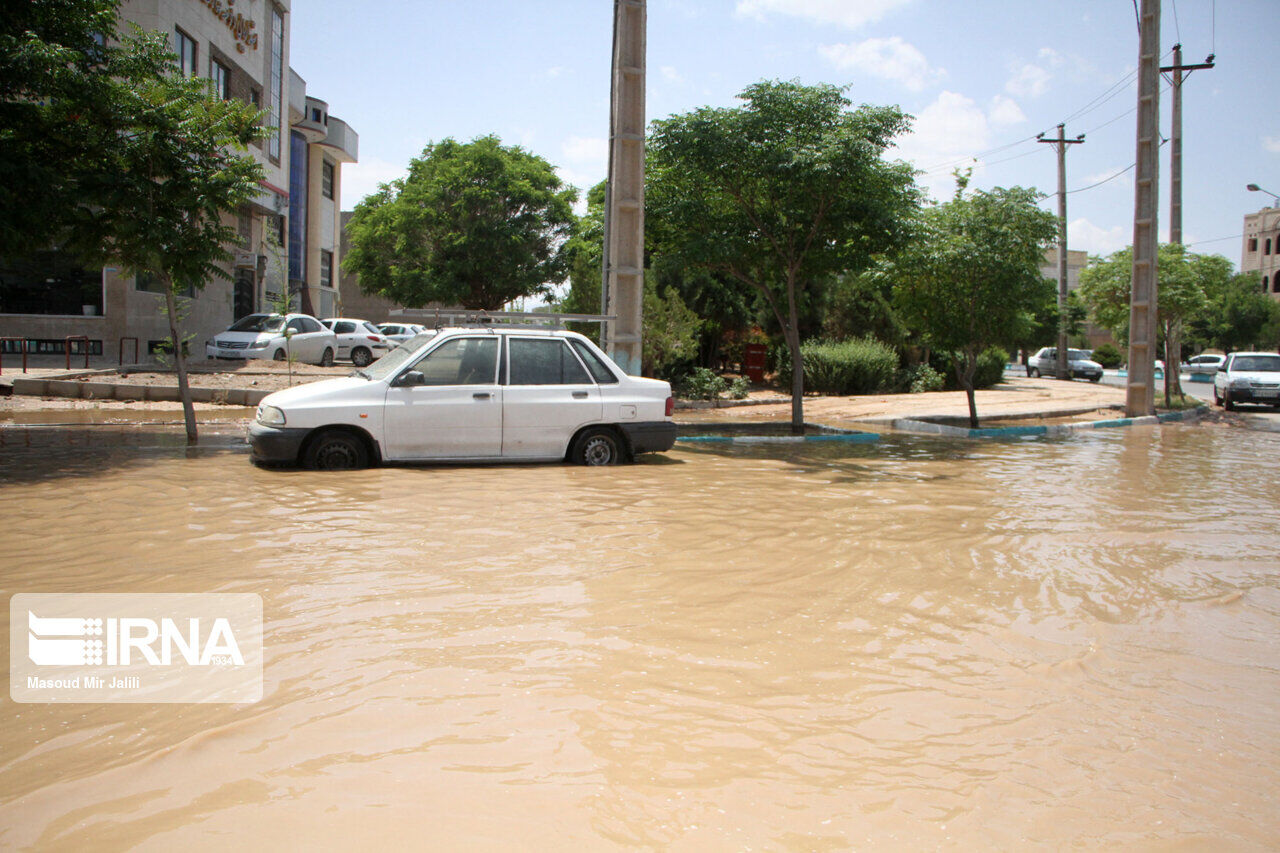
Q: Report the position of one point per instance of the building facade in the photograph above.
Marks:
(289, 236)
(1261, 249)
(1076, 261)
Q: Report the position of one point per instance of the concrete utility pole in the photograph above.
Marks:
(1061, 144)
(624, 202)
(1143, 296)
(1173, 351)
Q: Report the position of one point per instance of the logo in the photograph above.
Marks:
(136, 648)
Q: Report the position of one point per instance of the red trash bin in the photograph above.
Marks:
(754, 357)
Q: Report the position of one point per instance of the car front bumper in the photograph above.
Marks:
(275, 444)
(211, 351)
(1264, 396)
(650, 436)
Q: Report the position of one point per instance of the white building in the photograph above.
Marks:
(289, 236)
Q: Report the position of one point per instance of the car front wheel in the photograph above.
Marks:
(1217, 398)
(336, 450)
(1034, 373)
(1227, 402)
(598, 446)
(279, 355)
(360, 356)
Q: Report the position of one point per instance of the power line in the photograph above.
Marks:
(1104, 180)
(1176, 26)
(1215, 240)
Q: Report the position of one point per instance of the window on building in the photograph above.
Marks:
(1267, 247)
(220, 79)
(1264, 284)
(1253, 244)
(49, 283)
(326, 179)
(326, 268)
(185, 46)
(275, 96)
(1275, 283)
(280, 231)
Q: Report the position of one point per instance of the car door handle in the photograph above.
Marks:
(481, 395)
(580, 395)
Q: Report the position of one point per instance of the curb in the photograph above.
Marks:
(119, 391)
(831, 434)
(926, 427)
(729, 404)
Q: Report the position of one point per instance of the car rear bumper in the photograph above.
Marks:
(650, 436)
(275, 445)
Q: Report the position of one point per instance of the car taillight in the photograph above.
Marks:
(671, 405)
(374, 338)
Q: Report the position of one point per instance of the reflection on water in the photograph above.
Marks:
(811, 646)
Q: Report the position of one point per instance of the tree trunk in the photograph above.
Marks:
(1172, 360)
(179, 359)
(965, 374)
(797, 382)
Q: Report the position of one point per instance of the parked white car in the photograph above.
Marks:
(1045, 362)
(1248, 377)
(492, 393)
(275, 336)
(359, 341)
(1204, 364)
(398, 333)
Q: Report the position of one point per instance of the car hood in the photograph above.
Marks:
(346, 388)
(244, 337)
(1084, 362)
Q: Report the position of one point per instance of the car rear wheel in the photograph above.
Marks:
(361, 356)
(597, 446)
(326, 359)
(336, 450)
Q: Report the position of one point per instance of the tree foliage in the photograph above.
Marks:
(474, 224)
(971, 278)
(780, 193)
(1238, 314)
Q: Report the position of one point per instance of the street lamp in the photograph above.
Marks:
(1254, 188)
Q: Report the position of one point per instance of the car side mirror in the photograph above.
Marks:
(409, 378)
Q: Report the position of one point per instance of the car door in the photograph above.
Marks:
(447, 404)
(307, 338)
(344, 329)
(547, 396)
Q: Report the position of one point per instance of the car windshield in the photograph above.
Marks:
(394, 360)
(258, 323)
(1258, 363)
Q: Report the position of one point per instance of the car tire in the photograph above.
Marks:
(1227, 402)
(361, 356)
(1034, 373)
(597, 446)
(326, 359)
(279, 355)
(1217, 399)
(1097, 378)
(336, 450)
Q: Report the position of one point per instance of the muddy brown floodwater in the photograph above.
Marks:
(918, 644)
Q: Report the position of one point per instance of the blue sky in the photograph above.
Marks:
(981, 77)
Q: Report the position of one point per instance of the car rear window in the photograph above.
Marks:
(544, 361)
(599, 371)
(344, 327)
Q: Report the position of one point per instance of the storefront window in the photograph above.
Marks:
(46, 283)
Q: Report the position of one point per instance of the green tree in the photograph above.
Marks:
(780, 194)
(670, 332)
(1183, 281)
(474, 224)
(1238, 315)
(970, 278)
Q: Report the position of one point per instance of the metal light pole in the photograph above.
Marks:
(1254, 188)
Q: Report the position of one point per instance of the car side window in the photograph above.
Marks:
(599, 371)
(296, 325)
(461, 361)
(344, 328)
(543, 361)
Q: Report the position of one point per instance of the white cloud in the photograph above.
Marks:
(362, 178)
(555, 71)
(1028, 81)
(1271, 143)
(887, 58)
(586, 162)
(671, 75)
(1083, 234)
(851, 14)
(946, 135)
(1005, 111)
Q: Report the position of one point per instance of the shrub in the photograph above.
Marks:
(739, 388)
(703, 384)
(1108, 356)
(991, 362)
(860, 366)
(923, 378)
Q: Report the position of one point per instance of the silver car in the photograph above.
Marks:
(1248, 377)
(1045, 362)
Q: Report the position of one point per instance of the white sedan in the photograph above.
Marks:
(401, 332)
(359, 341)
(470, 394)
(275, 336)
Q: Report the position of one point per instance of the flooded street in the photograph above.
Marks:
(814, 646)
